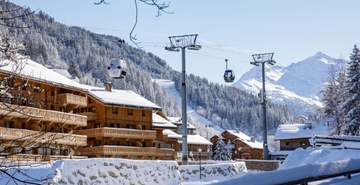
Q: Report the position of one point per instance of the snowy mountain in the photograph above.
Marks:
(297, 85)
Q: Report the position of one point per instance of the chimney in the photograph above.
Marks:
(252, 138)
(108, 86)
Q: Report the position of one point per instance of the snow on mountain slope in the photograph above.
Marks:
(296, 86)
(210, 127)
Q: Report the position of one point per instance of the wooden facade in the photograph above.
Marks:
(121, 131)
(239, 149)
(37, 120)
(292, 144)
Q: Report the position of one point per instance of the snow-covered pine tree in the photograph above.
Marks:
(333, 97)
(221, 153)
(351, 105)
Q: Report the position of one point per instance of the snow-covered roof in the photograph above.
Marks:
(178, 121)
(35, 71)
(196, 139)
(294, 131)
(38, 72)
(121, 98)
(158, 121)
(66, 74)
(246, 139)
(191, 139)
(171, 134)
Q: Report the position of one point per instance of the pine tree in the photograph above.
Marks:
(74, 70)
(351, 106)
(221, 153)
(333, 97)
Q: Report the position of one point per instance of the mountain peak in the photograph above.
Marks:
(319, 54)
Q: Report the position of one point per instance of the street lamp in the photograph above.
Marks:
(177, 42)
(43, 140)
(199, 149)
(262, 59)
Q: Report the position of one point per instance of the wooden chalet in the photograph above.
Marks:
(241, 145)
(194, 141)
(293, 136)
(36, 110)
(120, 125)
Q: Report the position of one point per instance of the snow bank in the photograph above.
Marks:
(121, 172)
(300, 164)
(210, 172)
(117, 171)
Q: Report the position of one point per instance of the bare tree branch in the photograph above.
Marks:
(102, 1)
(161, 7)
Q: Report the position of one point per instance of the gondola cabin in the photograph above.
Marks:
(117, 68)
(229, 75)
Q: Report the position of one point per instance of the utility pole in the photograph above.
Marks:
(262, 59)
(177, 43)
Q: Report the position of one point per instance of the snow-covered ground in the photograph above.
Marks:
(301, 163)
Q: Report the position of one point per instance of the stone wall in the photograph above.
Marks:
(262, 165)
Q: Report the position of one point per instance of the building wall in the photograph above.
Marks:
(33, 111)
(292, 144)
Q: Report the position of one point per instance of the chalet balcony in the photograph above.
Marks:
(110, 150)
(22, 135)
(11, 111)
(118, 133)
(72, 99)
(91, 116)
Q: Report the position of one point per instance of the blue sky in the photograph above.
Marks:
(232, 29)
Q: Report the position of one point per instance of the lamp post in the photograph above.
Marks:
(262, 59)
(199, 149)
(177, 42)
(43, 140)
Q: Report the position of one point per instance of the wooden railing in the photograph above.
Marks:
(67, 98)
(13, 134)
(118, 133)
(126, 150)
(31, 113)
(90, 115)
(35, 157)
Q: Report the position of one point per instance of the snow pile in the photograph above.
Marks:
(211, 172)
(122, 171)
(117, 171)
(308, 163)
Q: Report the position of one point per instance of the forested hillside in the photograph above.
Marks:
(59, 46)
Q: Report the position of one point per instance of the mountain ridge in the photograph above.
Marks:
(298, 85)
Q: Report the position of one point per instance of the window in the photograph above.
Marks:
(62, 109)
(129, 126)
(114, 125)
(97, 142)
(37, 88)
(143, 112)
(287, 143)
(8, 124)
(115, 110)
(114, 143)
(130, 112)
(302, 143)
(129, 143)
(97, 125)
(23, 86)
